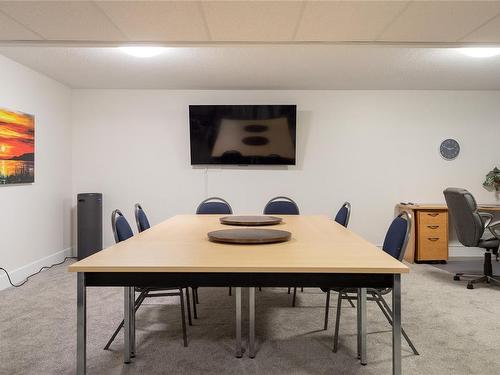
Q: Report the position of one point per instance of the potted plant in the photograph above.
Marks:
(492, 180)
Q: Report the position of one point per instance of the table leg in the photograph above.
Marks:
(81, 324)
(396, 325)
(132, 321)
(358, 322)
(126, 326)
(362, 325)
(238, 323)
(251, 322)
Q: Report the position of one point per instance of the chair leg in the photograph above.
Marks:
(289, 290)
(327, 309)
(195, 289)
(188, 304)
(195, 312)
(494, 278)
(260, 289)
(138, 303)
(337, 324)
(302, 290)
(348, 300)
(483, 279)
(230, 292)
(294, 296)
(381, 302)
(183, 318)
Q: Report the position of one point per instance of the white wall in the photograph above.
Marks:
(373, 148)
(35, 218)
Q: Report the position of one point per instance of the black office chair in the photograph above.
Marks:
(122, 231)
(395, 243)
(281, 206)
(470, 226)
(214, 205)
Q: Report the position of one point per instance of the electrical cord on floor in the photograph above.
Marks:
(33, 274)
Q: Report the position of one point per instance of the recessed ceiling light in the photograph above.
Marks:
(142, 51)
(480, 52)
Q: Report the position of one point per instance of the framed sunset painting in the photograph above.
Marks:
(17, 148)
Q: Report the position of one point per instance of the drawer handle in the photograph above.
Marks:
(433, 226)
(434, 214)
(433, 239)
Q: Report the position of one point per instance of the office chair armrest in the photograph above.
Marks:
(486, 217)
(495, 228)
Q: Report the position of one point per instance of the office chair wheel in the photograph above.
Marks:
(470, 286)
(456, 278)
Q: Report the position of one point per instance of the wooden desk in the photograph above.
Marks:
(177, 253)
(429, 232)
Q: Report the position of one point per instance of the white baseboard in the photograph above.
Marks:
(19, 274)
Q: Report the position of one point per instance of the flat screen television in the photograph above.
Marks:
(242, 134)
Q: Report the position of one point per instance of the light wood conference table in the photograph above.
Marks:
(177, 253)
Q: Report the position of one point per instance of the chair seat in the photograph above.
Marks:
(490, 243)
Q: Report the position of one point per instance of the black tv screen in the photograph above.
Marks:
(242, 134)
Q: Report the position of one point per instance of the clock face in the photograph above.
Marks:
(449, 149)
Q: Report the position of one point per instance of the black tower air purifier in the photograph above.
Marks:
(89, 224)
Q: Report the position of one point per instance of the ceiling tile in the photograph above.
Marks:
(12, 30)
(252, 21)
(489, 33)
(63, 20)
(346, 21)
(439, 21)
(157, 21)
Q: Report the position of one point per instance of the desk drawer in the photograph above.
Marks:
(432, 248)
(433, 230)
(432, 218)
(432, 235)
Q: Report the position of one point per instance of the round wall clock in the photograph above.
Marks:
(449, 149)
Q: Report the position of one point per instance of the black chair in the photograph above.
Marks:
(214, 205)
(143, 224)
(342, 217)
(281, 206)
(395, 243)
(122, 231)
(140, 218)
(344, 214)
(470, 226)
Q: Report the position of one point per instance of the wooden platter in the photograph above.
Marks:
(249, 236)
(251, 221)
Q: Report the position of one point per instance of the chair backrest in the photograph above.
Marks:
(121, 228)
(398, 234)
(281, 206)
(344, 214)
(214, 205)
(462, 208)
(140, 218)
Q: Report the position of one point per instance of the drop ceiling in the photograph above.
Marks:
(256, 44)
(250, 21)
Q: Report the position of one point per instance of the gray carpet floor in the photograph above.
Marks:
(456, 330)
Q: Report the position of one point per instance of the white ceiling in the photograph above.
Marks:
(265, 67)
(256, 44)
(250, 21)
